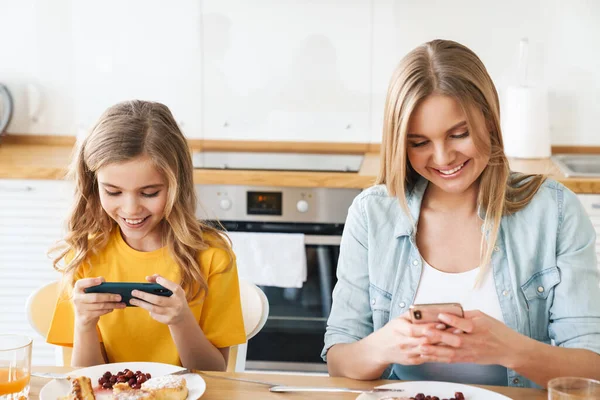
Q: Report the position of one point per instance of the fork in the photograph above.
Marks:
(55, 375)
(330, 389)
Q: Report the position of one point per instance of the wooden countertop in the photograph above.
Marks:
(48, 158)
(218, 388)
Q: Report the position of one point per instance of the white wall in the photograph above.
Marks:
(281, 70)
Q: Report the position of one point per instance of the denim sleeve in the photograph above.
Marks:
(351, 317)
(575, 312)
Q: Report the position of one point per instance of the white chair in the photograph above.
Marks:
(255, 310)
(40, 307)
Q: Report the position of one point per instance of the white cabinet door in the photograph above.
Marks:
(591, 202)
(137, 49)
(32, 215)
(286, 70)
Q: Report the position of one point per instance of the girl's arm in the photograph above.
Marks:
(195, 350)
(87, 349)
(88, 307)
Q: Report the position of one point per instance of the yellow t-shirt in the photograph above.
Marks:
(130, 334)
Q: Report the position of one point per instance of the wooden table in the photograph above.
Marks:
(222, 389)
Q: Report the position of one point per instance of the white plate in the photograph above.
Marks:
(61, 387)
(443, 390)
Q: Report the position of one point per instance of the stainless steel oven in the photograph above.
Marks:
(292, 337)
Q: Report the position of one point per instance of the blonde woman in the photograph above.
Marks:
(134, 221)
(448, 222)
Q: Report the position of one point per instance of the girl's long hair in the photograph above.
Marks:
(448, 68)
(125, 131)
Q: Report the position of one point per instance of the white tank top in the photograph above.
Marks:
(442, 287)
(436, 286)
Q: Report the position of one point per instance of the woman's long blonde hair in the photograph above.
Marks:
(125, 131)
(448, 68)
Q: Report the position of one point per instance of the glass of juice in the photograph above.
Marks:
(15, 366)
(573, 388)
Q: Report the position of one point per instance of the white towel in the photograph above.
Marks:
(270, 259)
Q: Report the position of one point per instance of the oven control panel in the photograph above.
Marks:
(277, 204)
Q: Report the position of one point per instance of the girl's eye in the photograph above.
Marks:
(150, 194)
(461, 136)
(112, 193)
(419, 144)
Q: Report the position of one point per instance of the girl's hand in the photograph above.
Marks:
(167, 310)
(476, 338)
(90, 306)
(400, 341)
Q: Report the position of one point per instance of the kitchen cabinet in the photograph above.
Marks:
(286, 71)
(137, 49)
(31, 220)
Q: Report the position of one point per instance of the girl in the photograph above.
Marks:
(518, 251)
(134, 220)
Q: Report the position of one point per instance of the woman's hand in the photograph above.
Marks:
(90, 306)
(476, 338)
(167, 310)
(400, 341)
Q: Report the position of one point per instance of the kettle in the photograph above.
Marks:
(6, 108)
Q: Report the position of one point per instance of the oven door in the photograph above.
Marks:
(292, 338)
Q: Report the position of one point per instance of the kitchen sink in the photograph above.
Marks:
(584, 165)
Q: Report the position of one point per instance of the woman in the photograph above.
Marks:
(517, 251)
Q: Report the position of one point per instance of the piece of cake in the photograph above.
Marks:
(133, 394)
(167, 387)
(81, 389)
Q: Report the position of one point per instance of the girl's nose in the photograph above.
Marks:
(131, 206)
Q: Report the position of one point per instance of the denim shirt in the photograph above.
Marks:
(543, 264)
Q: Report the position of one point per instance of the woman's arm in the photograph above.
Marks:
(488, 341)
(398, 342)
(351, 347)
(541, 362)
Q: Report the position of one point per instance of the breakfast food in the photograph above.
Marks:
(81, 389)
(421, 396)
(133, 394)
(129, 385)
(127, 376)
(167, 387)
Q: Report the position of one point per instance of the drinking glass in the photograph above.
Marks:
(572, 388)
(15, 366)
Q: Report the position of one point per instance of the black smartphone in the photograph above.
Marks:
(125, 288)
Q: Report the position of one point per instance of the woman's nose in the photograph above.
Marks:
(442, 156)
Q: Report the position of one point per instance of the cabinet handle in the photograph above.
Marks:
(595, 205)
(16, 189)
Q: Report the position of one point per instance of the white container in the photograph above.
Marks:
(524, 121)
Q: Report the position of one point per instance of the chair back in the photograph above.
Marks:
(40, 307)
(255, 311)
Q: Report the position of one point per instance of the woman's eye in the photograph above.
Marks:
(150, 194)
(460, 136)
(112, 193)
(419, 144)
